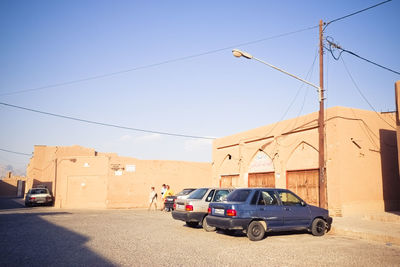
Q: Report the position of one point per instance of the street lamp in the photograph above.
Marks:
(238, 53)
(321, 134)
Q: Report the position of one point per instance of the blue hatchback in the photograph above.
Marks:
(260, 210)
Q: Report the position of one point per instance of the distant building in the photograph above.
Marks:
(83, 178)
(361, 159)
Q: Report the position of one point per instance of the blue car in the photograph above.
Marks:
(260, 210)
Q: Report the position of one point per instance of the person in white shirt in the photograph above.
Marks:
(153, 198)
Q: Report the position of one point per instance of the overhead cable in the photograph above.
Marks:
(100, 76)
(333, 46)
(14, 152)
(355, 13)
(363, 96)
(105, 124)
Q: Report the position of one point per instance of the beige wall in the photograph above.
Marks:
(105, 180)
(9, 186)
(360, 150)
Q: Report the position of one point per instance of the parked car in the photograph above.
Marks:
(193, 210)
(260, 210)
(37, 196)
(170, 200)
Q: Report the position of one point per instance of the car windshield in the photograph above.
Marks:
(39, 191)
(198, 193)
(239, 195)
(184, 192)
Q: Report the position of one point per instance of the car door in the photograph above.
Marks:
(269, 208)
(295, 212)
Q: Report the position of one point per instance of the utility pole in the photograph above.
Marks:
(321, 124)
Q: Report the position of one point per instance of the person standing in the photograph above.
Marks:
(163, 189)
(153, 198)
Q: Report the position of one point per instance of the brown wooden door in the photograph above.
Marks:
(304, 183)
(229, 180)
(262, 179)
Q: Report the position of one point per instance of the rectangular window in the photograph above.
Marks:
(268, 198)
(288, 199)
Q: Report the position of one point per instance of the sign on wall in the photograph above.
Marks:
(261, 163)
(130, 168)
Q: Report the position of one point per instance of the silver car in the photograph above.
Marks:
(37, 196)
(194, 209)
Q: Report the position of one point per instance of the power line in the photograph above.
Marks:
(14, 152)
(363, 96)
(357, 12)
(333, 46)
(105, 124)
(100, 76)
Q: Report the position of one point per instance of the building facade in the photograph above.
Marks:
(83, 178)
(361, 159)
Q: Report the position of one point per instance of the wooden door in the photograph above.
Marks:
(304, 183)
(229, 181)
(262, 179)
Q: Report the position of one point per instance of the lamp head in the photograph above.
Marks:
(238, 53)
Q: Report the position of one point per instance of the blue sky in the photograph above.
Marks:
(214, 95)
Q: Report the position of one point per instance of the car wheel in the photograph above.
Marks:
(206, 227)
(318, 227)
(192, 224)
(255, 231)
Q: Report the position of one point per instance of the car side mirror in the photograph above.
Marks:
(303, 203)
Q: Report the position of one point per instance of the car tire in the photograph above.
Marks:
(207, 227)
(255, 231)
(192, 224)
(318, 227)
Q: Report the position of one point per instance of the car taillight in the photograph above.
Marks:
(174, 205)
(189, 208)
(32, 198)
(209, 211)
(231, 212)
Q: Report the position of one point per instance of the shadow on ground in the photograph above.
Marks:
(11, 203)
(28, 239)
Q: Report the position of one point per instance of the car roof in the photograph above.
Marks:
(261, 188)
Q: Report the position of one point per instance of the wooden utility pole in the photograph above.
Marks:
(323, 203)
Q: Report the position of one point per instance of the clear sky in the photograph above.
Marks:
(213, 95)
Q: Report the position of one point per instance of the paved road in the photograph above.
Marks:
(44, 236)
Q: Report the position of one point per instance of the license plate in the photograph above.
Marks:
(219, 211)
(180, 207)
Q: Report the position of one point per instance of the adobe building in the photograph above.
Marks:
(83, 178)
(12, 185)
(361, 159)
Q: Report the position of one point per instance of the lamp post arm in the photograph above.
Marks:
(294, 76)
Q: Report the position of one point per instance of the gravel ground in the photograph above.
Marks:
(43, 236)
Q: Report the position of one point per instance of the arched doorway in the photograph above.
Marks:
(261, 171)
(302, 175)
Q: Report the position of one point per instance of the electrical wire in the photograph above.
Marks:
(105, 124)
(100, 76)
(363, 96)
(333, 46)
(14, 152)
(355, 13)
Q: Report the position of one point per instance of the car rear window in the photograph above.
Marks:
(39, 191)
(184, 192)
(239, 195)
(198, 193)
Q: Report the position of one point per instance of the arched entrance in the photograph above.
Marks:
(302, 175)
(261, 171)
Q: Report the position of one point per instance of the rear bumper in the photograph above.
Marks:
(227, 223)
(187, 216)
